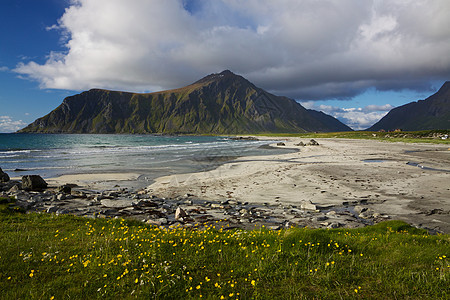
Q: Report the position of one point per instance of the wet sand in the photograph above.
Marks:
(336, 173)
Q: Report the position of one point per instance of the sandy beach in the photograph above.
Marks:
(338, 183)
(94, 181)
(409, 182)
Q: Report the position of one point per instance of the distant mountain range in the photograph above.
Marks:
(431, 113)
(223, 103)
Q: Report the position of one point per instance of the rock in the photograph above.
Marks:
(365, 215)
(203, 218)
(33, 182)
(118, 203)
(248, 138)
(281, 144)
(180, 213)
(243, 212)
(113, 194)
(79, 194)
(109, 212)
(313, 143)
(301, 144)
(146, 203)
(61, 197)
(307, 205)
(334, 225)
(275, 227)
(166, 206)
(320, 218)
(52, 209)
(66, 189)
(98, 198)
(3, 176)
(359, 209)
(14, 189)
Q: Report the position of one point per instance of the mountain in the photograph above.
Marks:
(431, 113)
(223, 103)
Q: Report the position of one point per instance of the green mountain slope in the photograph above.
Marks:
(222, 103)
(431, 113)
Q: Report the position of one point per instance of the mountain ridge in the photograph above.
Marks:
(221, 103)
(428, 114)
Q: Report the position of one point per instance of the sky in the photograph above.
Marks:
(352, 59)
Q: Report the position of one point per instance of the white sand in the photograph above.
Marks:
(329, 174)
(92, 180)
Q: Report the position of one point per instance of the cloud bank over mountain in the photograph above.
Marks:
(304, 49)
(358, 118)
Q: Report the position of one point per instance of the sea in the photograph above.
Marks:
(53, 155)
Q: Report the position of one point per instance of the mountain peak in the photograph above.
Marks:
(444, 88)
(225, 75)
(221, 103)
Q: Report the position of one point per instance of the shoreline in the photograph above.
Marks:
(339, 183)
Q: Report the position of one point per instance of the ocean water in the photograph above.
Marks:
(51, 155)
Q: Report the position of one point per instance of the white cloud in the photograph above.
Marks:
(357, 118)
(299, 48)
(4, 69)
(7, 124)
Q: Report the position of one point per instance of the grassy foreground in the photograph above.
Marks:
(44, 256)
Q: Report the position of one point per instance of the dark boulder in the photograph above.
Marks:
(3, 176)
(66, 189)
(313, 143)
(33, 182)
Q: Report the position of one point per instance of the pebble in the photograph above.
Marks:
(168, 212)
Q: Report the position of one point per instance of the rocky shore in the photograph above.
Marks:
(32, 194)
(347, 183)
(332, 183)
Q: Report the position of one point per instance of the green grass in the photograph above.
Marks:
(44, 256)
(426, 136)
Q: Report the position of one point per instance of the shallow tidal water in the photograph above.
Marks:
(51, 155)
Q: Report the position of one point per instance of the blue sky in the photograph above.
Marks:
(24, 37)
(352, 59)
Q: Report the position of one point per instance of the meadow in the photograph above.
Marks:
(44, 256)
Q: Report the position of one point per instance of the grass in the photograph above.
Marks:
(43, 256)
(426, 136)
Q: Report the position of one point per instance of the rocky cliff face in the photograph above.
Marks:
(431, 113)
(222, 103)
